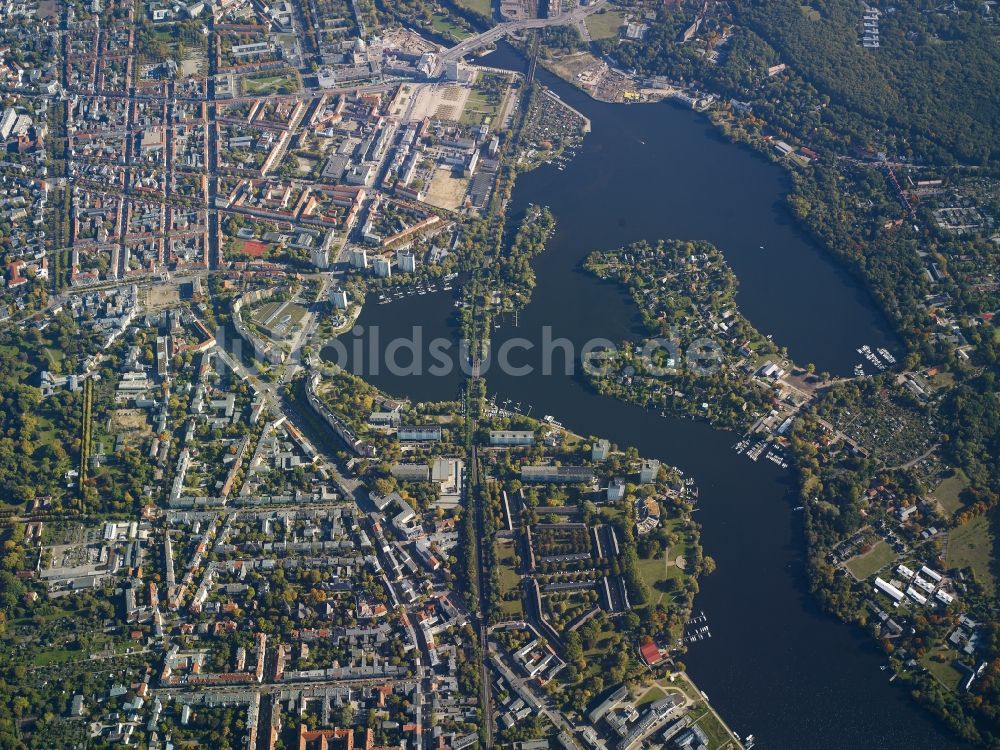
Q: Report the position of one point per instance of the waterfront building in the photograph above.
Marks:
(406, 261)
(382, 267)
(338, 297)
(599, 451)
(649, 470)
(358, 257)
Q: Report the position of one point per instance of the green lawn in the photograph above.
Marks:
(513, 609)
(54, 656)
(478, 6)
(866, 565)
(605, 24)
(944, 672)
(510, 580)
(478, 107)
(283, 83)
(947, 493)
(654, 572)
(54, 355)
(442, 24)
(971, 546)
(946, 379)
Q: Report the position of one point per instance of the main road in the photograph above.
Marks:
(473, 43)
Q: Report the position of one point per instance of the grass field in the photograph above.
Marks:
(943, 671)
(971, 546)
(509, 578)
(605, 24)
(478, 6)
(283, 83)
(654, 572)
(513, 609)
(479, 110)
(442, 24)
(54, 656)
(54, 356)
(865, 565)
(947, 493)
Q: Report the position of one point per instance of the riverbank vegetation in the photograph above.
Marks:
(515, 276)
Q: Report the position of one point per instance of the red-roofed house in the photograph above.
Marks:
(651, 653)
(16, 279)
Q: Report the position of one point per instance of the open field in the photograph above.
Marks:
(446, 191)
(442, 24)
(971, 546)
(867, 564)
(605, 24)
(947, 493)
(943, 671)
(486, 99)
(54, 656)
(162, 295)
(510, 581)
(656, 572)
(130, 419)
(479, 6)
(444, 102)
(282, 83)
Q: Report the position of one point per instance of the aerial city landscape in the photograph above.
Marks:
(443, 374)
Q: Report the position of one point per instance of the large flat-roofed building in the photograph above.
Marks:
(419, 433)
(889, 589)
(512, 437)
(556, 474)
(411, 472)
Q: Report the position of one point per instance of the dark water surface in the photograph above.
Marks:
(775, 666)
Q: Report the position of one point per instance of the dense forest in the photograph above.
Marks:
(933, 80)
(930, 91)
